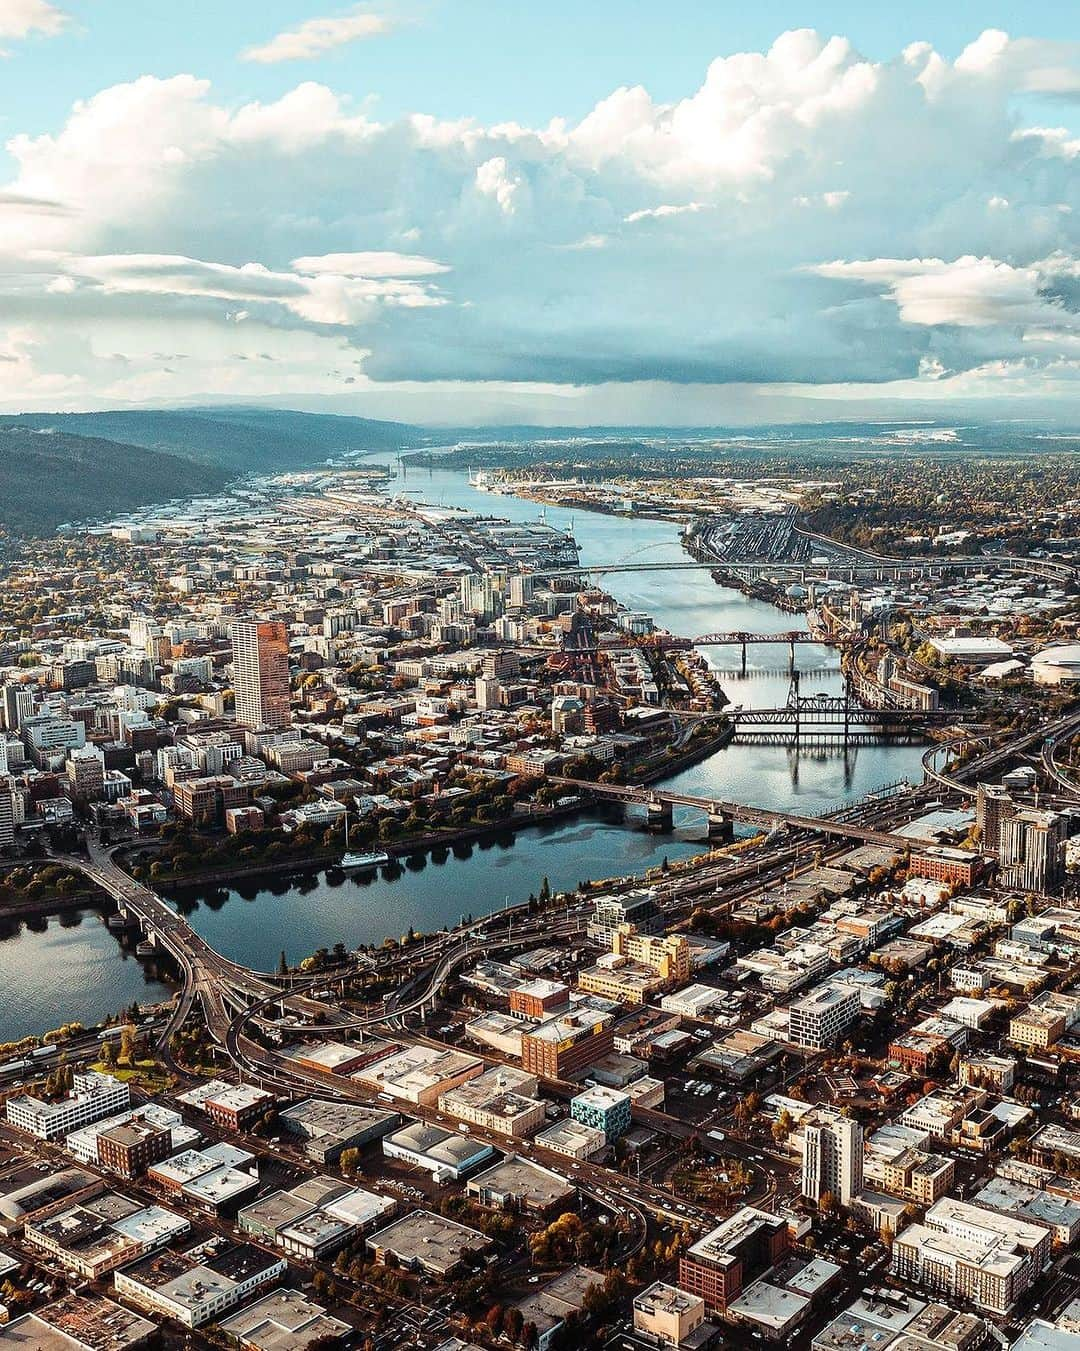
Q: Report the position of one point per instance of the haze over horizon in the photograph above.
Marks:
(439, 214)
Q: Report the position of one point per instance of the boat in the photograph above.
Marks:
(356, 862)
(351, 862)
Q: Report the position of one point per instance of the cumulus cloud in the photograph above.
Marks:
(805, 217)
(494, 179)
(318, 36)
(372, 264)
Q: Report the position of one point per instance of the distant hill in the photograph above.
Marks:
(49, 478)
(241, 440)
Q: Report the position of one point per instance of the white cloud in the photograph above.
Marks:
(968, 292)
(494, 179)
(321, 294)
(317, 36)
(23, 18)
(663, 212)
(372, 264)
(650, 244)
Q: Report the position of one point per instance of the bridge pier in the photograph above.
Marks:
(721, 827)
(658, 814)
(743, 667)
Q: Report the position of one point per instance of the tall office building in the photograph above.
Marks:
(7, 812)
(522, 587)
(993, 804)
(261, 673)
(1033, 849)
(833, 1160)
(477, 591)
(18, 704)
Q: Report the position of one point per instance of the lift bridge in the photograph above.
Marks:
(831, 720)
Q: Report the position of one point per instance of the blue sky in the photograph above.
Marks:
(394, 225)
(495, 60)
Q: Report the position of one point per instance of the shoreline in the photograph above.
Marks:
(88, 898)
(427, 844)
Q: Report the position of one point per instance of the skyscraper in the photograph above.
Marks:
(1033, 849)
(993, 804)
(261, 673)
(18, 704)
(833, 1160)
(7, 813)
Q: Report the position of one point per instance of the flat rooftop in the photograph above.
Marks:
(282, 1321)
(431, 1240)
(516, 1176)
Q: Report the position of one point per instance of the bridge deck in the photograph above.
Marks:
(740, 811)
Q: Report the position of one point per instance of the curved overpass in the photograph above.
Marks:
(959, 781)
(1068, 786)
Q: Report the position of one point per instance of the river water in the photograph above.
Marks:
(253, 922)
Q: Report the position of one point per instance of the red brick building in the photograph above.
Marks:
(718, 1267)
(131, 1148)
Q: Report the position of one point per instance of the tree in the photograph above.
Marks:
(283, 965)
(827, 1203)
(128, 1044)
(782, 1126)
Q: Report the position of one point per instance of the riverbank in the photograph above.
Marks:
(446, 841)
(759, 591)
(254, 920)
(30, 907)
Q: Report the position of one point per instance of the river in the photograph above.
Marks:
(253, 923)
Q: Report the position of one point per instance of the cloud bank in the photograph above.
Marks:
(805, 219)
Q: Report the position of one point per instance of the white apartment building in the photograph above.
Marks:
(833, 1160)
(988, 1273)
(819, 1019)
(92, 1097)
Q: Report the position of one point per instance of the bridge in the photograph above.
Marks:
(722, 815)
(745, 640)
(750, 639)
(861, 567)
(827, 718)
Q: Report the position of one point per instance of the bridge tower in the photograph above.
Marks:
(658, 813)
(721, 827)
(847, 706)
(794, 700)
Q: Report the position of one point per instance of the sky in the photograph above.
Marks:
(473, 211)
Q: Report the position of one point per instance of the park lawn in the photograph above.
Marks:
(145, 1074)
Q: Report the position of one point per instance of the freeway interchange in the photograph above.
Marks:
(241, 1007)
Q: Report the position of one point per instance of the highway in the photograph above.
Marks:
(960, 779)
(233, 998)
